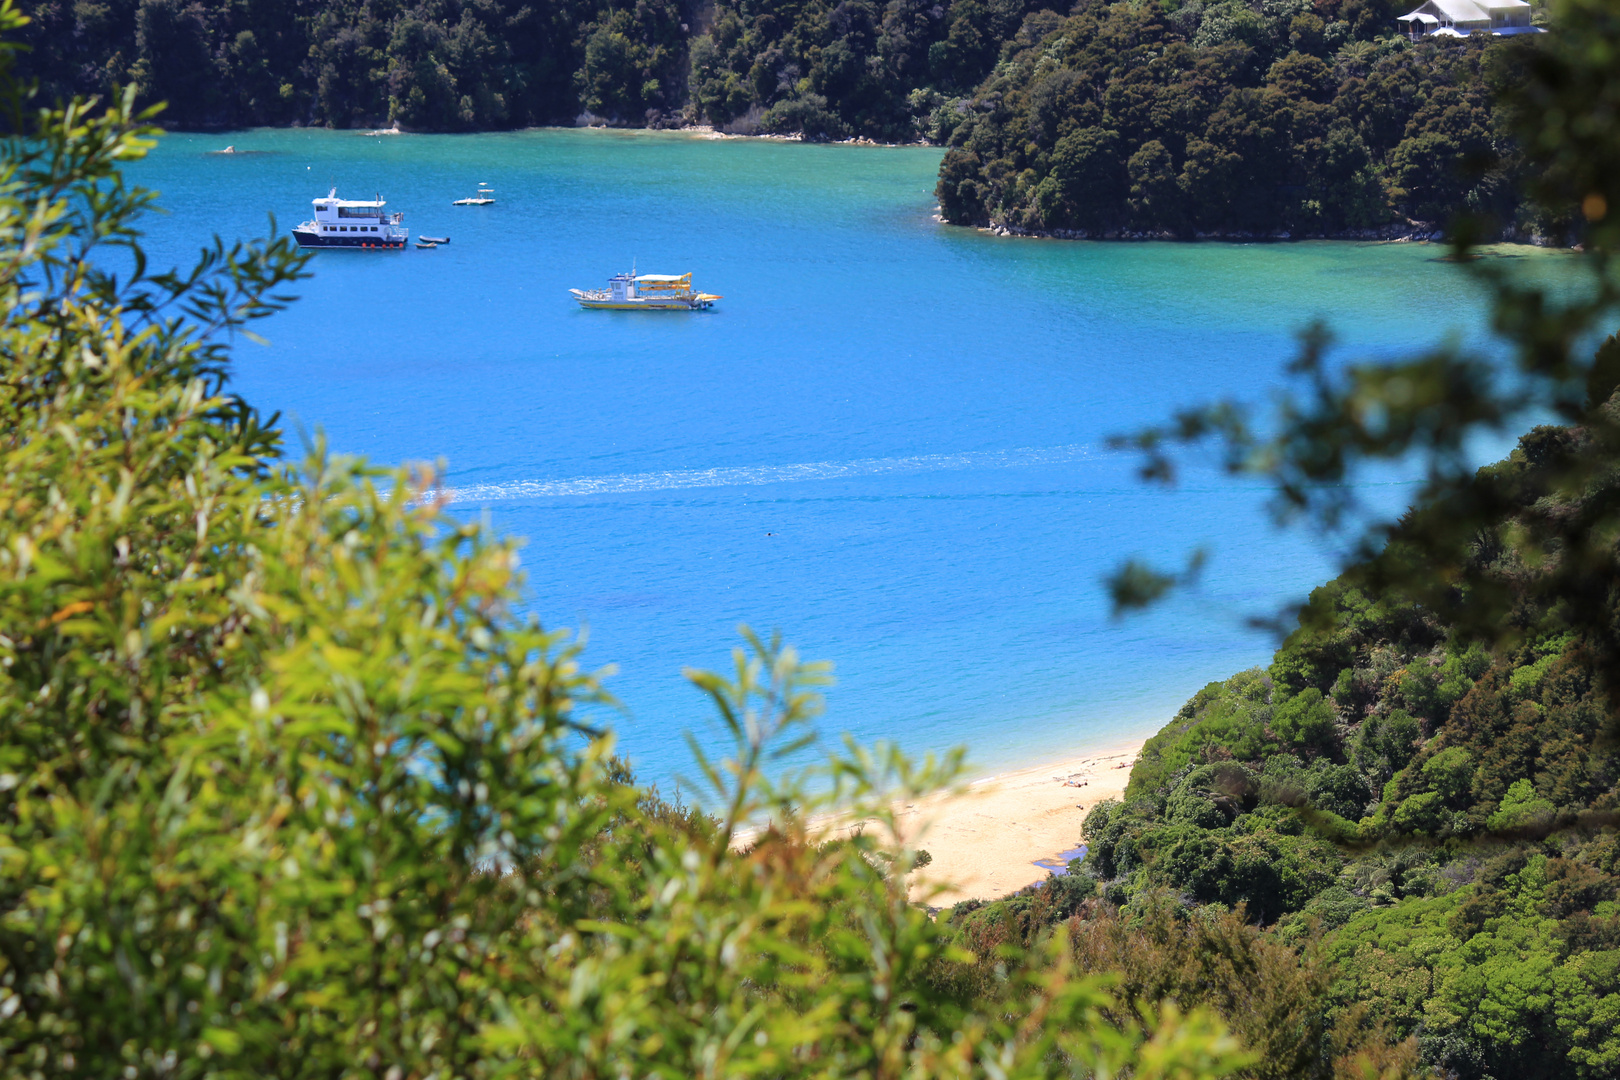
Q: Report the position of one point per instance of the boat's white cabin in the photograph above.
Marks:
(631, 286)
(336, 217)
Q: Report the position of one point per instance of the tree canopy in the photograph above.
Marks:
(480, 65)
(1273, 119)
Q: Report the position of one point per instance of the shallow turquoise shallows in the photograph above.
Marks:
(886, 440)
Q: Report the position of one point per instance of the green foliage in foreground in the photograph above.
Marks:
(1276, 996)
(287, 791)
(1445, 811)
(1423, 823)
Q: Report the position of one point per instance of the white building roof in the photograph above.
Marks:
(1466, 11)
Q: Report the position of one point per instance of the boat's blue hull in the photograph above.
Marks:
(347, 243)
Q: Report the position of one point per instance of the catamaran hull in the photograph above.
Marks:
(648, 305)
(346, 243)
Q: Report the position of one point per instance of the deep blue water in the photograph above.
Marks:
(885, 441)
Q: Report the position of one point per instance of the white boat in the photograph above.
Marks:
(344, 223)
(646, 292)
(485, 196)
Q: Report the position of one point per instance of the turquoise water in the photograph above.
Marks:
(885, 441)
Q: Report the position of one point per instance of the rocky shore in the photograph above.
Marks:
(1394, 232)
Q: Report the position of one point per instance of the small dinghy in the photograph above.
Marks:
(422, 245)
(434, 239)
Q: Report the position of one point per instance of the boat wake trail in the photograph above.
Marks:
(755, 475)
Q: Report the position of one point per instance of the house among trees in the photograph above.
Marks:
(1459, 18)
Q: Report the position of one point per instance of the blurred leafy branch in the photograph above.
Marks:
(1332, 423)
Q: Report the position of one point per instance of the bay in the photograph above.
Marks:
(886, 440)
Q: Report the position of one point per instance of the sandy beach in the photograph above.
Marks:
(989, 839)
(986, 842)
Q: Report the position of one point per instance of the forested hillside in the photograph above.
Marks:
(828, 71)
(1427, 821)
(461, 65)
(855, 68)
(1232, 119)
(1178, 118)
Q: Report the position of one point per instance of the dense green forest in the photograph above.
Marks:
(1282, 118)
(1422, 822)
(827, 71)
(857, 68)
(1270, 117)
(429, 66)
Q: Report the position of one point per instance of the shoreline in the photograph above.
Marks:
(992, 838)
(1413, 232)
(1000, 833)
(1391, 233)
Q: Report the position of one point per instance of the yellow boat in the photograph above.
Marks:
(646, 292)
